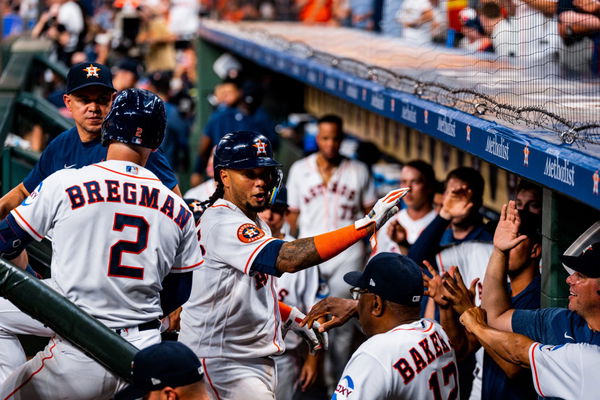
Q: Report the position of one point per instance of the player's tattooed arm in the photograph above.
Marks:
(297, 255)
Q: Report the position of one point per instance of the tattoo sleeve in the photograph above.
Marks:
(297, 255)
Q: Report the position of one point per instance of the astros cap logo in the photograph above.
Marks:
(261, 147)
(92, 71)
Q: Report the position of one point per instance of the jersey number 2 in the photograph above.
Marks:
(115, 268)
(449, 370)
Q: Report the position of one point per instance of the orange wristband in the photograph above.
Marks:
(284, 311)
(331, 244)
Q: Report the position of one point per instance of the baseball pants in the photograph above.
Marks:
(15, 322)
(288, 367)
(61, 371)
(240, 379)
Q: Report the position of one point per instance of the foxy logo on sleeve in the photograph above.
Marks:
(249, 233)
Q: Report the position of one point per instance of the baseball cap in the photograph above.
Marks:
(164, 364)
(130, 65)
(88, 74)
(586, 263)
(394, 277)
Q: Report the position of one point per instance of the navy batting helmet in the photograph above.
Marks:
(137, 117)
(247, 150)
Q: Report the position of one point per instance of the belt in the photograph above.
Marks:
(146, 326)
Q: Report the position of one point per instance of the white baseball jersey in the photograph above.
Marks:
(568, 371)
(471, 258)
(299, 290)
(233, 311)
(117, 233)
(201, 192)
(413, 230)
(412, 361)
(325, 208)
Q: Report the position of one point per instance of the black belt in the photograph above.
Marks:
(146, 326)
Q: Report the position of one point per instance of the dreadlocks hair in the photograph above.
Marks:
(217, 194)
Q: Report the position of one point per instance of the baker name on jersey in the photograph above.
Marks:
(419, 357)
(129, 193)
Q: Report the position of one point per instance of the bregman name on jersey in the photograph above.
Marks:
(129, 193)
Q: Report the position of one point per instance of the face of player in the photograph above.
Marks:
(365, 310)
(329, 140)
(530, 201)
(420, 193)
(88, 107)
(520, 256)
(274, 216)
(583, 295)
(247, 188)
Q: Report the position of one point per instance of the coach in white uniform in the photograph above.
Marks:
(405, 357)
(232, 320)
(328, 191)
(119, 235)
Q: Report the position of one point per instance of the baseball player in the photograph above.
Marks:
(120, 238)
(327, 191)
(232, 320)
(301, 290)
(405, 357)
(88, 97)
(567, 371)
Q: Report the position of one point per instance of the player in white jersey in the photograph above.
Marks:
(568, 371)
(123, 249)
(232, 320)
(405, 357)
(404, 229)
(295, 368)
(327, 191)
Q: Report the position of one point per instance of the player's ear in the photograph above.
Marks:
(67, 101)
(225, 178)
(536, 250)
(377, 306)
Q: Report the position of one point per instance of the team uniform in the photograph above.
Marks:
(324, 208)
(301, 290)
(413, 230)
(231, 320)
(412, 361)
(566, 371)
(138, 232)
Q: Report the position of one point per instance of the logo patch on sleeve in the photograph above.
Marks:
(249, 233)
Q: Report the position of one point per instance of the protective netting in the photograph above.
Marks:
(532, 81)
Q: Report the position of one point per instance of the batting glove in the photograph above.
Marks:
(383, 210)
(316, 340)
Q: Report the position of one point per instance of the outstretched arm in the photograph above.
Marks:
(303, 253)
(503, 347)
(495, 297)
(12, 199)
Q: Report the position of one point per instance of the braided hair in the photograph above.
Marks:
(217, 194)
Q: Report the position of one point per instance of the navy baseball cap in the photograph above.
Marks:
(164, 364)
(392, 276)
(586, 263)
(88, 74)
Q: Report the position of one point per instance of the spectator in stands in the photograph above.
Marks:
(504, 32)
(579, 323)
(160, 55)
(474, 38)
(313, 11)
(390, 26)
(404, 228)
(12, 23)
(361, 14)
(577, 19)
(418, 20)
(529, 197)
